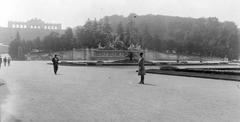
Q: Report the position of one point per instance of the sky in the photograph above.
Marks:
(71, 13)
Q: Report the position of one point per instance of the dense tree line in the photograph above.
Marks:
(202, 37)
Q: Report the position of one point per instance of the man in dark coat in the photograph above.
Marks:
(5, 61)
(141, 68)
(55, 63)
(9, 61)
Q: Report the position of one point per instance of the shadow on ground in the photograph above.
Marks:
(149, 84)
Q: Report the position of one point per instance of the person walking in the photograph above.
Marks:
(5, 61)
(55, 62)
(9, 61)
(141, 68)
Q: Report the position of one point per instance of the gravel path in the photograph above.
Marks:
(3, 94)
(111, 94)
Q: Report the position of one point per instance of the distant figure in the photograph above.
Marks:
(55, 63)
(9, 61)
(141, 68)
(0, 62)
(178, 61)
(5, 61)
(201, 61)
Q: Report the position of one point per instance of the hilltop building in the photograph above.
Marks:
(28, 30)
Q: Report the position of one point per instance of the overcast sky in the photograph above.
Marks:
(76, 12)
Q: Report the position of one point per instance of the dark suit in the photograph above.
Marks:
(141, 69)
(55, 64)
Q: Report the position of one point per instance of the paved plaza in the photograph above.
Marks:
(111, 94)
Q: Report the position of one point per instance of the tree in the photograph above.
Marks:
(156, 43)
(37, 44)
(120, 29)
(147, 39)
(201, 37)
(51, 42)
(67, 39)
(106, 26)
(15, 47)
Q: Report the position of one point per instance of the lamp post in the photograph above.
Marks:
(133, 27)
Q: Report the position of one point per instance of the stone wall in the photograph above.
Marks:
(94, 54)
(154, 55)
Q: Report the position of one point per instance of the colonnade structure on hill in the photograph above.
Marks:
(34, 24)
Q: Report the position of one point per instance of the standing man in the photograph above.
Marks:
(55, 63)
(141, 68)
